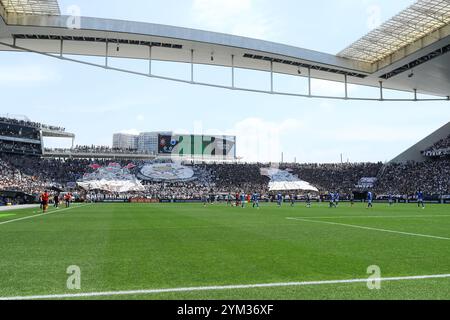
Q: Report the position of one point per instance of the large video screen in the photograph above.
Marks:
(197, 145)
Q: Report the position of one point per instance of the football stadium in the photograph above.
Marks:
(173, 214)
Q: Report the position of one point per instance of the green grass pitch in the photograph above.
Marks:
(122, 247)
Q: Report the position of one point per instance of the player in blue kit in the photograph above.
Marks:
(420, 201)
(204, 199)
(337, 199)
(391, 199)
(279, 199)
(292, 198)
(255, 200)
(369, 199)
(332, 199)
(243, 200)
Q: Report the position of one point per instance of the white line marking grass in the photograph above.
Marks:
(370, 228)
(375, 217)
(221, 288)
(43, 214)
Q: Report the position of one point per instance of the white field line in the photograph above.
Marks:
(43, 214)
(221, 288)
(374, 217)
(372, 229)
(18, 207)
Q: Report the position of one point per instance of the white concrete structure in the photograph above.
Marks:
(408, 53)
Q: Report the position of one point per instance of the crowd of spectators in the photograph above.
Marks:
(238, 177)
(94, 150)
(16, 131)
(432, 177)
(30, 124)
(21, 148)
(12, 179)
(342, 177)
(35, 174)
(439, 149)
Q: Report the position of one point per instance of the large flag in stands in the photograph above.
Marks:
(112, 178)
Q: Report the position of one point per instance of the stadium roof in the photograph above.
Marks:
(31, 7)
(421, 19)
(407, 53)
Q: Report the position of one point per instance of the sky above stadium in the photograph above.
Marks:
(95, 103)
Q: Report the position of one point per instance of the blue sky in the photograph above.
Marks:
(95, 103)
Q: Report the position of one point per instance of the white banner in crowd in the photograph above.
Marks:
(170, 172)
(281, 180)
(112, 178)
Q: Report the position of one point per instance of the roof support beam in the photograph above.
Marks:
(309, 82)
(381, 91)
(192, 65)
(271, 76)
(232, 71)
(346, 86)
(106, 53)
(150, 60)
(212, 85)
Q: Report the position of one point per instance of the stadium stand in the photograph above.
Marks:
(20, 148)
(25, 169)
(439, 149)
(95, 150)
(432, 177)
(17, 131)
(24, 137)
(32, 175)
(29, 124)
(335, 177)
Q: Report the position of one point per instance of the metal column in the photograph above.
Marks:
(192, 65)
(346, 87)
(232, 71)
(381, 91)
(106, 53)
(150, 60)
(309, 81)
(271, 76)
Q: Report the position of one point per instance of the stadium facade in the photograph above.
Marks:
(407, 53)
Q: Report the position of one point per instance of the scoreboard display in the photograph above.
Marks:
(197, 145)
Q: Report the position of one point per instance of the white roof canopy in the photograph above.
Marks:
(31, 7)
(409, 26)
(408, 53)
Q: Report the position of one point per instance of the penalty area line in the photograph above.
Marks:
(222, 288)
(43, 214)
(370, 228)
